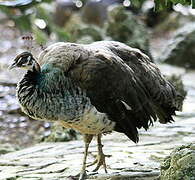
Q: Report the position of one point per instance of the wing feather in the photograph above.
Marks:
(164, 96)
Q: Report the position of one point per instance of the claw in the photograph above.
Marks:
(101, 161)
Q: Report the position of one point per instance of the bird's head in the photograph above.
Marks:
(26, 61)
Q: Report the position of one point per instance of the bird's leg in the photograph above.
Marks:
(87, 139)
(100, 160)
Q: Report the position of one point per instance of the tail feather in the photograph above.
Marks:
(129, 121)
(125, 122)
(165, 114)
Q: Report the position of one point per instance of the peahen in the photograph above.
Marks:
(95, 89)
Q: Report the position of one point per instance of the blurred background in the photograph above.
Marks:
(165, 34)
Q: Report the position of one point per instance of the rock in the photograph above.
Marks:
(180, 164)
(165, 30)
(82, 32)
(55, 161)
(63, 11)
(95, 12)
(172, 22)
(123, 26)
(179, 86)
(181, 48)
(59, 134)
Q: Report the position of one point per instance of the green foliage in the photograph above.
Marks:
(45, 14)
(163, 4)
(137, 3)
(39, 35)
(24, 13)
(61, 33)
(23, 22)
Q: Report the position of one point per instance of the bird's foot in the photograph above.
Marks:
(100, 160)
(82, 175)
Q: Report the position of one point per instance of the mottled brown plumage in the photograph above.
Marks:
(95, 89)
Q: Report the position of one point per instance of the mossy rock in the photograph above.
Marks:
(95, 12)
(83, 33)
(181, 48)
(180, 165)
(125, 27)
(7, 148)
(171, 22)
(60, 134)
(179, 86)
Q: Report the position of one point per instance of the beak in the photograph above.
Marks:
(12, 66)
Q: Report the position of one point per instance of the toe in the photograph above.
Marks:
(91, 164)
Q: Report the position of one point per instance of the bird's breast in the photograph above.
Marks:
(91, 122)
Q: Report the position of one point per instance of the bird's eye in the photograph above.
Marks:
(21, 61)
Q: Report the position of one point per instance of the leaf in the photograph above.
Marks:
(163, 4)
(61, 33)
(22, 22)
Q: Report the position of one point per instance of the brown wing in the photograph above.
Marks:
(164, 96)
(112, 87)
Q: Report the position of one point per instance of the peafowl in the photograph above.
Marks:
(95, 89)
